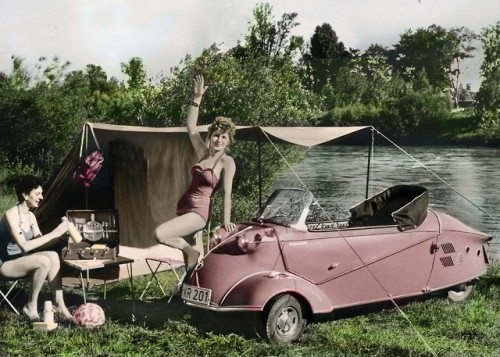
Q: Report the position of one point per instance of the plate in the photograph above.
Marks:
(93, 231)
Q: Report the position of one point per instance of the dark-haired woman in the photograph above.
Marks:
(213, 165)
(20, 241)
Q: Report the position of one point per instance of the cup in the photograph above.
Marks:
(48, 312)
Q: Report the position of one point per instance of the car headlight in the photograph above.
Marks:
(246, 245)
(215, 239)
(218, 236)
(242, 242)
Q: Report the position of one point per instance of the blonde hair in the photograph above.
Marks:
(223, 124)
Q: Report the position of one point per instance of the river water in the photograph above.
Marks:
(462, 181)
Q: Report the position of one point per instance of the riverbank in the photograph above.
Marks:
(460, 129)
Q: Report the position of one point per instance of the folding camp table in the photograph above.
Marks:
(85, 265)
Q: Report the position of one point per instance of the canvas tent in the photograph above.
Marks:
(145, 172)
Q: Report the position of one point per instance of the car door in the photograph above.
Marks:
(354, 266)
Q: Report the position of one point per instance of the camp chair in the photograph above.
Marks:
(154, 264)
(14, 286)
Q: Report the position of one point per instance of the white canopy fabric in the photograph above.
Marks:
(310, 136)
(304, 136)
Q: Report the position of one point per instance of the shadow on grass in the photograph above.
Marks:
(157, 312)
(122, 306)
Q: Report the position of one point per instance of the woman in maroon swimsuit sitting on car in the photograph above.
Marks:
(213, 165)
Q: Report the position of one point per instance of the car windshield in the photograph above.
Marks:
(287, 207)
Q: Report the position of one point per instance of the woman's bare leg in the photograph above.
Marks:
(172, 233)
(36, 265)
(55, 282)
(41, 266)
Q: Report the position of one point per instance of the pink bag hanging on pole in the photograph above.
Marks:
(89, 166)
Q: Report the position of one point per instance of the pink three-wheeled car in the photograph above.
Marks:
(291, 261)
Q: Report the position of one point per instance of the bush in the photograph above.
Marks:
(414, 114)
(353, 114)
(38, 126)
(6, 191)
(490, 126)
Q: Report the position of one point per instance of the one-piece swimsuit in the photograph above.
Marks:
(8, 249)
(198, 197)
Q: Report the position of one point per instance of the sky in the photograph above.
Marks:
(162, 32)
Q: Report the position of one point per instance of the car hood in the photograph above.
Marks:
(226, 265)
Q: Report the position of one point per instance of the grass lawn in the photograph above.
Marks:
(154, 327)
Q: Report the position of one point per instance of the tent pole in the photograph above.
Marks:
(259, 163)
(370, 153)
(86, 198)
(86, 137)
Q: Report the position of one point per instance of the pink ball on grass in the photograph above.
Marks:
(89, 315)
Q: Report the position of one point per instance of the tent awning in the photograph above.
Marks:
(310, 136)
(304, 136)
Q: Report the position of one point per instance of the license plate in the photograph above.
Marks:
(196, 295)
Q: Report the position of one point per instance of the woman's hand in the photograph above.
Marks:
(229, 226)
(61, 229)
(199, 87)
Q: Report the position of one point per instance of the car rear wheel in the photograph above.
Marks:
(460, 293)
(285, 320)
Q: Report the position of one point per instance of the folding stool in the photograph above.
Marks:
(15, 286)
(159, 261)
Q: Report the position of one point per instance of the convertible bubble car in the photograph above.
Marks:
(292, 261)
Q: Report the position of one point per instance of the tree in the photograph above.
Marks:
(490, 39)
(325, 44)
(465, 39)
(39, 118)
(349, 87)
(53, 72)
(267, 38)
(326, 56)
(488, 97)
(375, 67)
(98, 80)
(19, 77)
(136, 73)
(120, 104)
(414, 114)
(429, 52)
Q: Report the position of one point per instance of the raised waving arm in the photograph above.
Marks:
(192, 118)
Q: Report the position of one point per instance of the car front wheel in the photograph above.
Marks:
(285, 320)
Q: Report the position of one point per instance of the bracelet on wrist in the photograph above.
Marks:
(194, 104)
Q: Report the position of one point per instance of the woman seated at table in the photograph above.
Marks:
(20, 244)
